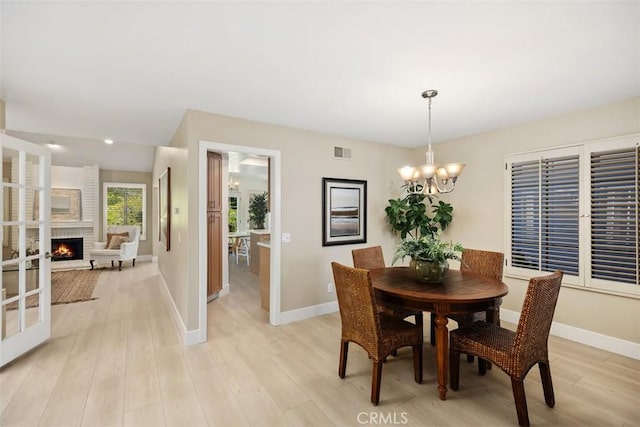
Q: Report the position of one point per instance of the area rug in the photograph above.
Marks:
(67, 287)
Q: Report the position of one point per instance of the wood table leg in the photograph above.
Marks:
(442, 354)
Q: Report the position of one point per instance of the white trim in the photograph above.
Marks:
(308, 312)
(583, 336)
(154, 258)
(188, 337)
(274, 299)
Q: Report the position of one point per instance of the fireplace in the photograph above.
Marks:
(67, 249)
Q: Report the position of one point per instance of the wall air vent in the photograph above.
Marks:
(341, 153)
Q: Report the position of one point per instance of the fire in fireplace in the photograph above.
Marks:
(67, 249)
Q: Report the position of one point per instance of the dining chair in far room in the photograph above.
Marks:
(483, 263)
(373, 257)
(377, 333)
(242, 249)
(514, 352)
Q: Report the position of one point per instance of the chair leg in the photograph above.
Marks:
(344, 350)
(119, 265)
(521, 401)
(482, 366)
(432, 329)
(376, 376)
(470, 358)
(91, 262)
(547, 384)
(134, 263)
(111, 263)
(454, 369)
(419, 319)
(417, 363)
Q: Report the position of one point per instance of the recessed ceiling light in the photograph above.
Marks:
(108, 141)
(52, 145)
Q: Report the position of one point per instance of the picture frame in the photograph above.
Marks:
(164, 205)
(66, 204)
(344, 211)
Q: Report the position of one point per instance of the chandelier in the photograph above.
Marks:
(431, 178)
(233, 185)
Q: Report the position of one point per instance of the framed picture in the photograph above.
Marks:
(344, 211)
(164, 203)
(66, 204)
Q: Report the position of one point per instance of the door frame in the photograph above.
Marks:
(275, 224)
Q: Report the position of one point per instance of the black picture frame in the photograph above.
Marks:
(164, 205)
(344, 211)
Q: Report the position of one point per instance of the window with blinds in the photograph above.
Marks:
(614, 215)
(575, 209)
(545, 213)
(125, 204)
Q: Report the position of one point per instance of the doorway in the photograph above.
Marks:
(274, 221)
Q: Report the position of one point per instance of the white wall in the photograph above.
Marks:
(479, 204)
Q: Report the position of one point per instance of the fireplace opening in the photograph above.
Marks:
(67, 249)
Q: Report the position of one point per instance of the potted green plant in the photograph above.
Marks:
(420, 220)
(429, 256)
(258, 210)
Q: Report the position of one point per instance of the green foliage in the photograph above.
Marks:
(420, 221)
(409, 216)
(124, 206)
(258, 210)
(233, 220)
(428, 248)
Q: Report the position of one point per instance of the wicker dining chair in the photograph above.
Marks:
(373, 257)
(514, 352)
(377, 333)
(483, 263)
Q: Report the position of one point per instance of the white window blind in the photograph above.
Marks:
(614, 215)
(575, 209)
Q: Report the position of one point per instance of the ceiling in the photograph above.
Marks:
(75, 73)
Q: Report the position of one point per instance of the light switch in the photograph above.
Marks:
(286, 237)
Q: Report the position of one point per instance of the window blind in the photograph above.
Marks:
(525, 214)
(545, 214)
(615, 184)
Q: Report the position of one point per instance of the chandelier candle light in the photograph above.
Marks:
(437, 178)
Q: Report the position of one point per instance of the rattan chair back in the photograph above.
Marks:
(368, 258)
(532, 333)
(356, 301)
(483, 263)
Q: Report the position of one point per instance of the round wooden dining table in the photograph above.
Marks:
(459, 292)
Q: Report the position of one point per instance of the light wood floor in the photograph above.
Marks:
(119, 360)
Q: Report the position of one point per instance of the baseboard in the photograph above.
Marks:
(188, 337)
(583, 336)
(154, 258)
(308, 312)
(144, 258)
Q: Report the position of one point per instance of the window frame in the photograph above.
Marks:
(583, 280)
(105, 188)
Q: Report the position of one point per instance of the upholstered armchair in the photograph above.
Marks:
(121, 245)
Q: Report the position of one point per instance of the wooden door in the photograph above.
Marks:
(214, 245)
(214, 193)
(214, 223)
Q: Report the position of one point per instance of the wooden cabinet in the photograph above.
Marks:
(214, 189)
(214, 223)
(214, 245)
(254, 250)
(265, 272)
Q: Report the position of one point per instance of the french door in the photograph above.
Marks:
(25, 315)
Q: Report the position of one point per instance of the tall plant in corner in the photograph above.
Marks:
(417, 215)
(420, 220)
